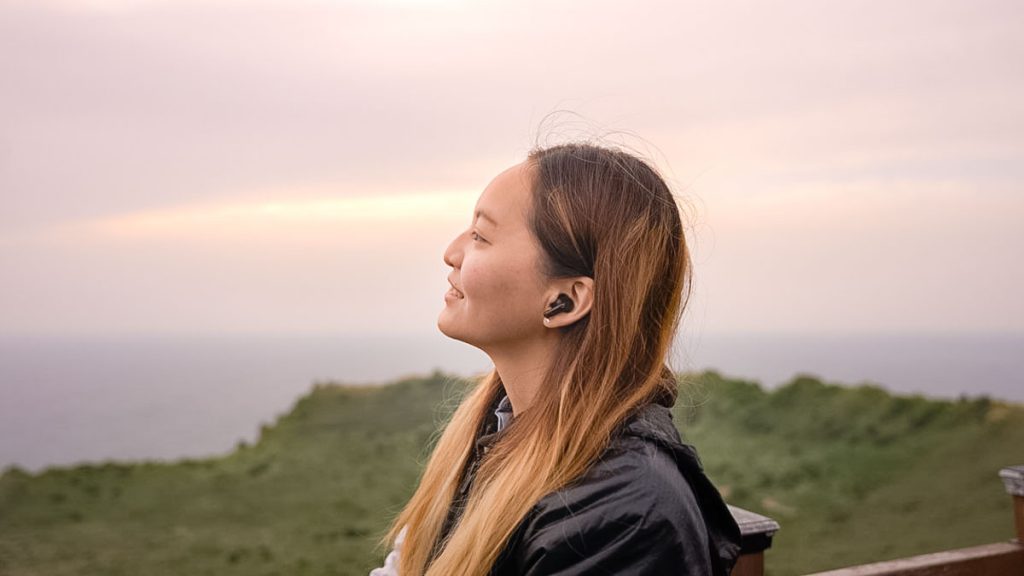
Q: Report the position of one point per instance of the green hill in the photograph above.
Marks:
(853, 475)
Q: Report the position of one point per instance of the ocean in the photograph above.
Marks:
(71, 400)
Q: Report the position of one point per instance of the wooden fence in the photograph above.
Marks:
(997, 559)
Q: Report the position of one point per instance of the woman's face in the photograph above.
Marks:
(499, 291)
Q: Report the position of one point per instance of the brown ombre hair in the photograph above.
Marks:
(598, 212)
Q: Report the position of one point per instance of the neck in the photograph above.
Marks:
(522, 368)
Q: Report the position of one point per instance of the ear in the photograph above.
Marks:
(579, 289)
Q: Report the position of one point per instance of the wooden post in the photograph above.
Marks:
(1013, 480)
(756, 533)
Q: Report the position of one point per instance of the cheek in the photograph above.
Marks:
(509, 280)
(480, 279)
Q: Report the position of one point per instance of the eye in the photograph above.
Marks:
(476, 236)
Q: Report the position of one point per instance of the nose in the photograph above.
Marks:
(453, 254)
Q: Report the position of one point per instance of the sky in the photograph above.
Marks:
(277, 167)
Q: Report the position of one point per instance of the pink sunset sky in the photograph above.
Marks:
(299, 167)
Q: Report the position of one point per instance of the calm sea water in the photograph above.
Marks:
(65, 401)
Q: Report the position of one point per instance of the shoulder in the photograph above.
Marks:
(632, 512)
(633, 475)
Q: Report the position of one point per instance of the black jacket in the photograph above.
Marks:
(645, 507)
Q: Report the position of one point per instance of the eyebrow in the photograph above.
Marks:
(482, 214)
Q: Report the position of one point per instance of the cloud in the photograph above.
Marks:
(286, 220)
(188, 156)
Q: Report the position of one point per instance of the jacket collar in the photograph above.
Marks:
(653, 421)
(489, 432)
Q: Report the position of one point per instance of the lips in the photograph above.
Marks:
(455, 289)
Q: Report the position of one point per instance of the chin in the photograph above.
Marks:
(445, 328)
(457, 337)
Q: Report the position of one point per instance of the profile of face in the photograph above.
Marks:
(499, 291)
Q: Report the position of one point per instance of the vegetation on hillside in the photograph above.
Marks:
(853, 475)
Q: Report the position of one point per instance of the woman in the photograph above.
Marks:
(564, 459)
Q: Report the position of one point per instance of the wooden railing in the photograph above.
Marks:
(756, 533)
(998, 559)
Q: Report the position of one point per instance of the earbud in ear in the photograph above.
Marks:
(561, 304)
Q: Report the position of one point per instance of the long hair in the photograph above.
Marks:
(597, 212)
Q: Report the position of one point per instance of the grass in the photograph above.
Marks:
(853, 475)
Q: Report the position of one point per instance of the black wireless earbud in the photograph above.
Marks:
(561, 304)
